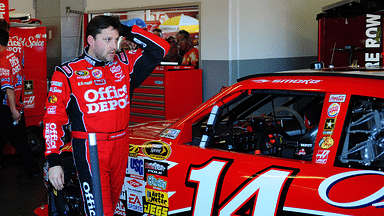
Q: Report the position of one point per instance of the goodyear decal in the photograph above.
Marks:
(157, 150)
(326, 142)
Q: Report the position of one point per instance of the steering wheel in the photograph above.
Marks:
(271, 142)
(294, 113)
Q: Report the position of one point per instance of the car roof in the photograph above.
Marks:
(374, 72)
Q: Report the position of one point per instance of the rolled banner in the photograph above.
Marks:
(95, 174)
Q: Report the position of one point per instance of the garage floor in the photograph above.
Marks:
(19, 197)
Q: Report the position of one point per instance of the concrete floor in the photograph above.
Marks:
(19, 197)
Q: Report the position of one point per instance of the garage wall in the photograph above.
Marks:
(243, 37)
(22, 6)
(239, 37)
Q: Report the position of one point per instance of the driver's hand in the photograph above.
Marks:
(56, 177)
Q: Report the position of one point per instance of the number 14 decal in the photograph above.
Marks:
(262, 193)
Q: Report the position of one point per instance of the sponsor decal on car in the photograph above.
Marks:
(157, 182)
(329, 126)
(29, 102)
(156, 197)
(155, 167)
(333, 110)
(134, 150)
(136, 168)
(337, 98)
(135, 202)
(326, 142)
(157, 150)
(28, 87)
(120, 209)
(170, 133)
(322, 156)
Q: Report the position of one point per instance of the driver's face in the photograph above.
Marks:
(105, 44)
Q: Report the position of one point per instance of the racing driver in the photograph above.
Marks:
(92, 93)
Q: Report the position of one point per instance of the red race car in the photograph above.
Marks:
(307, 142)
(291, 143)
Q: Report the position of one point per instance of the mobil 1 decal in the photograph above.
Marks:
(263, 193)
(156, 189)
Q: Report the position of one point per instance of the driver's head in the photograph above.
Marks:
(101, 22)
(102, 37)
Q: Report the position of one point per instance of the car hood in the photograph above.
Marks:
(149, 130)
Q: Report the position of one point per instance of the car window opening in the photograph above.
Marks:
(267, 122)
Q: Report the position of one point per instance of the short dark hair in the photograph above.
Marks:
(101, 22)
(158, 30)
(4, 37)
(185, 34)
(4, 24)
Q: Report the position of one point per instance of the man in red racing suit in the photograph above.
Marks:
(92, 93)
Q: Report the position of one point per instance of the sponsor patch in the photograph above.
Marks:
(100, 82)
(326, 142)
(55, 90)
(157, 150)
(67, 70)
(51, 110)
(333, 110)
(84, 83)
(97, 73)
(82, 74)
(52, 99)
(56, 83)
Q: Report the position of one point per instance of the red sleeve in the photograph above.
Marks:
(56, 116)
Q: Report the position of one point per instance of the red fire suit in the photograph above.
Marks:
(94, 97)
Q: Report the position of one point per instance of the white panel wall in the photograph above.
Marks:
(247, 29)
(275, 28)
(22, 6)
(99, 5)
